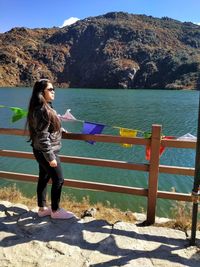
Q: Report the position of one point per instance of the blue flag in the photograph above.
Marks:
(92, 128)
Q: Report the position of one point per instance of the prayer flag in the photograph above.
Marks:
(147, 135)
(162, 148)
(92, 128)
(127, 133)
(19, 113)
(187, 137)
(67, 116)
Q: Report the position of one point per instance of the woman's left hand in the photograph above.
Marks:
(53, 163)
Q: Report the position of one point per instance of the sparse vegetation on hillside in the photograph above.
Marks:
(104, 212)
(115, 50)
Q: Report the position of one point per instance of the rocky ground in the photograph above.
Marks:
(27, 240)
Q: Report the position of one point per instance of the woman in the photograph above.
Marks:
(45, 135)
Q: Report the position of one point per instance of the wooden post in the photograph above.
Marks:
(153, 173)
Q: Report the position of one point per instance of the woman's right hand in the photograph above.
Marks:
(53, 163)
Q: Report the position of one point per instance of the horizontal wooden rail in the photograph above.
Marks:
(82, 160)
(179, 143)
(86, 137)
(13, 131)
(174, 196)
(79, 184)
(100, 186)
(109, 139)
(104, 163)
(16, 154)
(176, 170)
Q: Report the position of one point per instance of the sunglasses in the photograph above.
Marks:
(51, 89)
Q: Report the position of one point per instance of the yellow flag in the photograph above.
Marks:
(127, 133)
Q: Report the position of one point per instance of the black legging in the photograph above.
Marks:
(45, 173)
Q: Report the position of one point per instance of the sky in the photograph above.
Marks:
(50, 13)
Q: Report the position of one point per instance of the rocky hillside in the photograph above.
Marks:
(115, 50)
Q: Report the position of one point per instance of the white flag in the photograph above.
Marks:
(187, 137)
(67, 116)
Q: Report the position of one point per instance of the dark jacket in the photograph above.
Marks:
(45, 139)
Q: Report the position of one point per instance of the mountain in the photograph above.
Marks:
(115, 50)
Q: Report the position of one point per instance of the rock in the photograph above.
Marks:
(29, 241)
(91, 213)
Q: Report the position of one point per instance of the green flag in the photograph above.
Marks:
(19, 113)
(147, 135)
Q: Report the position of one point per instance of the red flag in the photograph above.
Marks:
(162, 148)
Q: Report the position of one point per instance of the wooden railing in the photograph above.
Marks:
(153, 168)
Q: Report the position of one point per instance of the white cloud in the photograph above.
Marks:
(198, 23)
(69, 21)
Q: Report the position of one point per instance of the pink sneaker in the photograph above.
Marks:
(62, 214)
(45, 212)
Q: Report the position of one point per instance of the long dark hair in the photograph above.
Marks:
(37, 100)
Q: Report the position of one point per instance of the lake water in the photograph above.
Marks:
(176, 111)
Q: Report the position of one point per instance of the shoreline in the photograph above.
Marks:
(123, 89)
